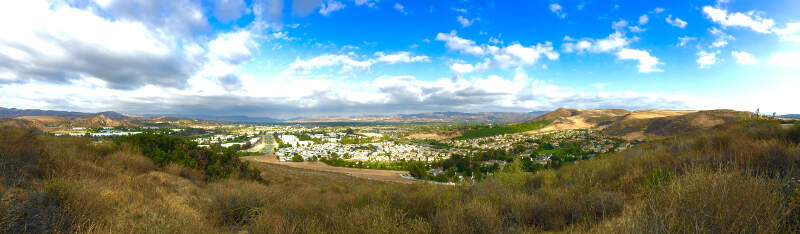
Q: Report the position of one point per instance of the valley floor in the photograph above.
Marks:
(371, 174)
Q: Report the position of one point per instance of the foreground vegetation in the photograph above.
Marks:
(737, 178)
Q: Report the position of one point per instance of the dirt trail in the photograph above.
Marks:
(372, 174)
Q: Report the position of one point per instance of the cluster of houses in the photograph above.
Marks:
(378, 151)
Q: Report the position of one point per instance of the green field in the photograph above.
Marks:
(505, 129)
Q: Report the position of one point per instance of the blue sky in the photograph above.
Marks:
(323, 57)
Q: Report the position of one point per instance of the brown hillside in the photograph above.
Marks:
(98, 121)
(638, 125)
(19, 123)
(580, 119)
(640, 128)
(46, 120)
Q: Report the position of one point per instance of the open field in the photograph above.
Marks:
(371, 174)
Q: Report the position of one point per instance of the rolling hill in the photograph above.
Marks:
(639, 125)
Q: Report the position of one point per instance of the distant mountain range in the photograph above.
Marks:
(792, 116)
(499, 117)
(14, 112)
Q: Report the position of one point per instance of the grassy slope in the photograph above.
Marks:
(505, 129)
(706, 182)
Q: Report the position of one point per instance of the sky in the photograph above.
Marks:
(283, 59)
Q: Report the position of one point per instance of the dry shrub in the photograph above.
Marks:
(235, 202)
(422, 201)
(19, 153)
(69, 157)
(705, 201)
(470, 217)
(191, 174)
(128, 162)
(555, 208)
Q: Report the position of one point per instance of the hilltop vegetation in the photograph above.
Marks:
(503, 129)
(736, 177)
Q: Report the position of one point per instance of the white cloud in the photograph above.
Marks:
(399, 7)
(643, 19)
(330, 6)
(789, 33)
(647, 63)
(466, 22)
(658, 10)
(514, 55)
(349, 63)
(453, 42)
(346, 62)
(636, 29)
(369, 3)
(59, 43)
(744, 58)
(677, 22)
(722, 38)
(401, 57)
(682, 41)
(558, 10)
(749, 20)
(613, 42)
(706, 59)
(233, 47)
(292, 96)
(785, 59)
(460, 68)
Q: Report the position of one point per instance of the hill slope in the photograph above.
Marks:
(638, 125)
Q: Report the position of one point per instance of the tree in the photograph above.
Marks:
(297, 158)
(418, 170)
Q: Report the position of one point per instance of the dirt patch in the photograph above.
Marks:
(370, 174)
(427, 136)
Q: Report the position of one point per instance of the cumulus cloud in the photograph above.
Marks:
(785, 59)
(400, 8)
(744, 58)
(330, 6)
(721, 39)
(706, 59)
(54, 42)
(613, 42)
(558, 10)
(677, 22)
(737, 19)
(789, 33)
(179, 16)
(647, 63)
(349, 63)
(643, 19)
(465, 22)
(460, 68)
(616, 43)
(291, 97)
(466, 46)
(400, 57)
(513, 55)
(682, 41)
